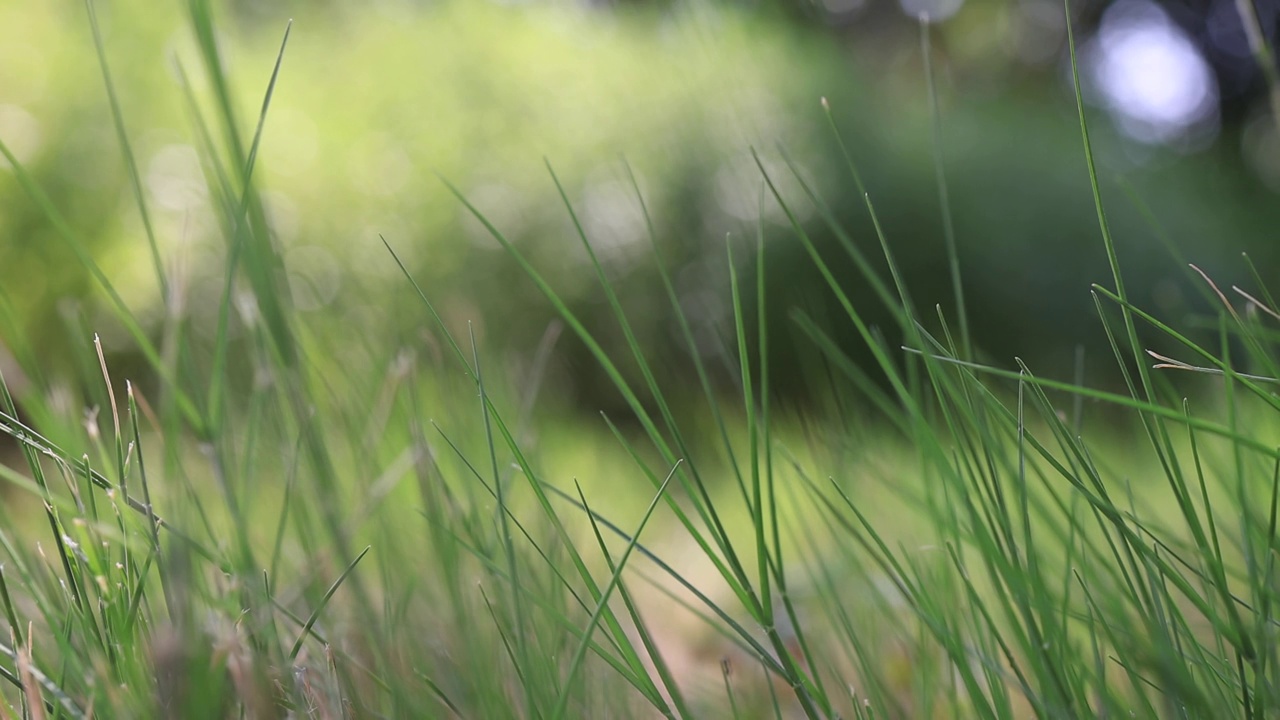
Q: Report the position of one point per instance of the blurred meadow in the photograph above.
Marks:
(786, 358)
(376, 104)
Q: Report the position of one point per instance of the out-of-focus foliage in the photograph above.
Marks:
(375, 101)
(1012, 40)
(371, 106)
(1029, 243)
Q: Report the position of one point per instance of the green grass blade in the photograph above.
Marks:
(126, 149)
(579, 654)
(315, 614)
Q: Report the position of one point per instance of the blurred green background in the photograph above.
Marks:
(377, 101)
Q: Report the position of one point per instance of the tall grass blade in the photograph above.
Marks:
(126, 149)
(315, 614)
(579, 654)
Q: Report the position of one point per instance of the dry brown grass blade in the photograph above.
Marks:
(30, 687)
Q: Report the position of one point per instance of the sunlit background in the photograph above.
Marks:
(379, 103)
(242, 201)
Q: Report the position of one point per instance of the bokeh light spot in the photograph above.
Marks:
(21, 133)
(931, 10)
(1151, 75)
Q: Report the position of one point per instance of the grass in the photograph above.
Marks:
(250, 533)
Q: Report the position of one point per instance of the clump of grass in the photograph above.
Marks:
(283, 542)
